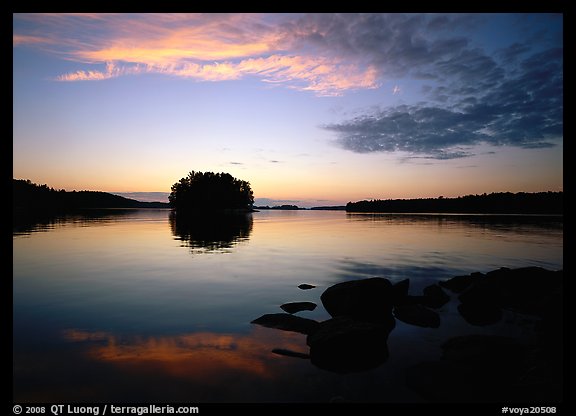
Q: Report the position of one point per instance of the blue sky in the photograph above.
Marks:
(312, 109)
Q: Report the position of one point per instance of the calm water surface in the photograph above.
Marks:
(134, 306)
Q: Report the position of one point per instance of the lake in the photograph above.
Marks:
(134, 306)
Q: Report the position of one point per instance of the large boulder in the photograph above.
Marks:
(343, 345)
(367, 300)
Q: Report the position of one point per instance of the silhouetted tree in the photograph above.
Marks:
(206, 191)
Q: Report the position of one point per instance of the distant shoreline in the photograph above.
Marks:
(494, 203)
(28, 196)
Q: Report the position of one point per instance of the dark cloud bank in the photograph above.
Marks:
(510, 96)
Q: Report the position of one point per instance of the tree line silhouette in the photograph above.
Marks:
(29, 196)
(221, 191)
(494, 203)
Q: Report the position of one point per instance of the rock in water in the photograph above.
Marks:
(435, 297)
(400, 291)
(342, 345)
(458, 284)
(474, 369)
(306, 286)
(294, 307)
(521, 289)
(366, 300)
(287, 322)
(290, 353)
(417, 315)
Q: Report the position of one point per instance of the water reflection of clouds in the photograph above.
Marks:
(204, 357)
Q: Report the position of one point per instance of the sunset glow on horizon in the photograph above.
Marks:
(311, 109)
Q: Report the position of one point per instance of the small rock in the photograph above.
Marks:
(293, 307)
(306, 286)
(417, 315)
(287, 322)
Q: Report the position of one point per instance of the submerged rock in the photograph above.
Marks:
(367, 300)
(293, 307)
(474, 368)
(485, 350)
(306, 286)
(287, 322)
(343, 345)
(290, 353)
(417, 315)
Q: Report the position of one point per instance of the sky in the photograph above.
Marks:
(311, 109)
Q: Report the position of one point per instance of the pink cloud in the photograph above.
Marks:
(211, 47)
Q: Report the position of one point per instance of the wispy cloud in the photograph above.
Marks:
(210, 47)
(28, 40)
(111, 71)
